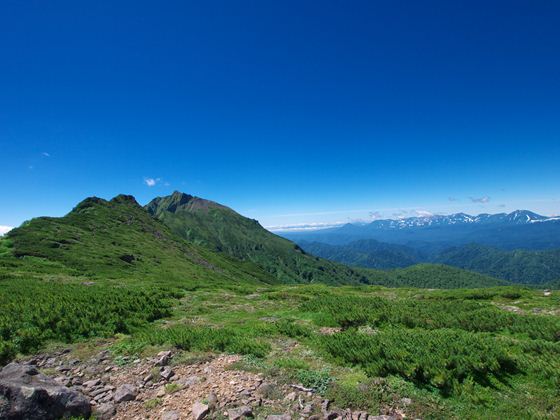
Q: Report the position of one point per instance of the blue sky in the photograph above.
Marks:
(289, 112)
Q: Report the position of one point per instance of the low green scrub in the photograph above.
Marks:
(354, 311)
(440, 358)
(191, 338)
(33, 312)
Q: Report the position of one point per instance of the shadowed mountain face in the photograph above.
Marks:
(221, 229)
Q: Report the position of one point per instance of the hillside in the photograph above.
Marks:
(431, 276)
(118, 239)
(221, 229)
(518, 266)
(366, 253)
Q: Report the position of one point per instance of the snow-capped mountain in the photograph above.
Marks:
(516, 217)
(519, 229)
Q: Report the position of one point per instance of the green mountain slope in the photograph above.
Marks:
(431, 276)
(119, 239)
(367, 253)
(221, 229)
(518, 266)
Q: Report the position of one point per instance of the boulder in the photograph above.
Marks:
(190, 380)
(199, 411)
(27, 394)
(126, 392)
(240, 412)
(104, 411)
(163, 358)
(170, 415)
(167, 373)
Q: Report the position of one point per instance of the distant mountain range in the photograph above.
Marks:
(191, 241)
(521, 229)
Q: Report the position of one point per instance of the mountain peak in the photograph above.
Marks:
(524, 216)
(125, 199)
(180, 201)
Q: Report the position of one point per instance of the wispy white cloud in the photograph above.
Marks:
(151, 182)
(483, 200)
(423, 213)
(5, 229)
(302, 227)
(46, 154)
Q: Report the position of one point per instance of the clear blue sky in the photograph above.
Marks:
(289, 112)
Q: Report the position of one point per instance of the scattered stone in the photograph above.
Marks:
(199, 410)
(126, 392)
(27, 394)
(161, 392)
(190, 380)
(240, 412)
(167, 373)
(170, 415)
(279, 417)
(212, 401)
(406, 401)
(163, 358)
(104, 411)
(291, 396)
(268, 391)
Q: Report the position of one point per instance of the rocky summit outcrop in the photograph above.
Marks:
(27, 394)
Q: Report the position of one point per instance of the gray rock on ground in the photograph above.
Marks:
(240, 412)
(104, 411)
(171, 415)
(126, 392)
(199, 411)
(25, 393)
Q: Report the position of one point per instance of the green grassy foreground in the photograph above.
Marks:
(454, 353)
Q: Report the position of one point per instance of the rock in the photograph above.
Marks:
(199, 410)
(104, 411)
(167, 373)
(190, 380)
(27, 394)
(279, 417)
(212, 401)
(170, 415)
(161, 392)
(325, 407)
(308, 409)
(163, 358)
(291, 396)
(240, 412)
(126, 392)
(406, 401)
(382, 417)
(268, 391)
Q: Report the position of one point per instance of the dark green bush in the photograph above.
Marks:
(205, 339)
(33, 312)
(441, 358)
